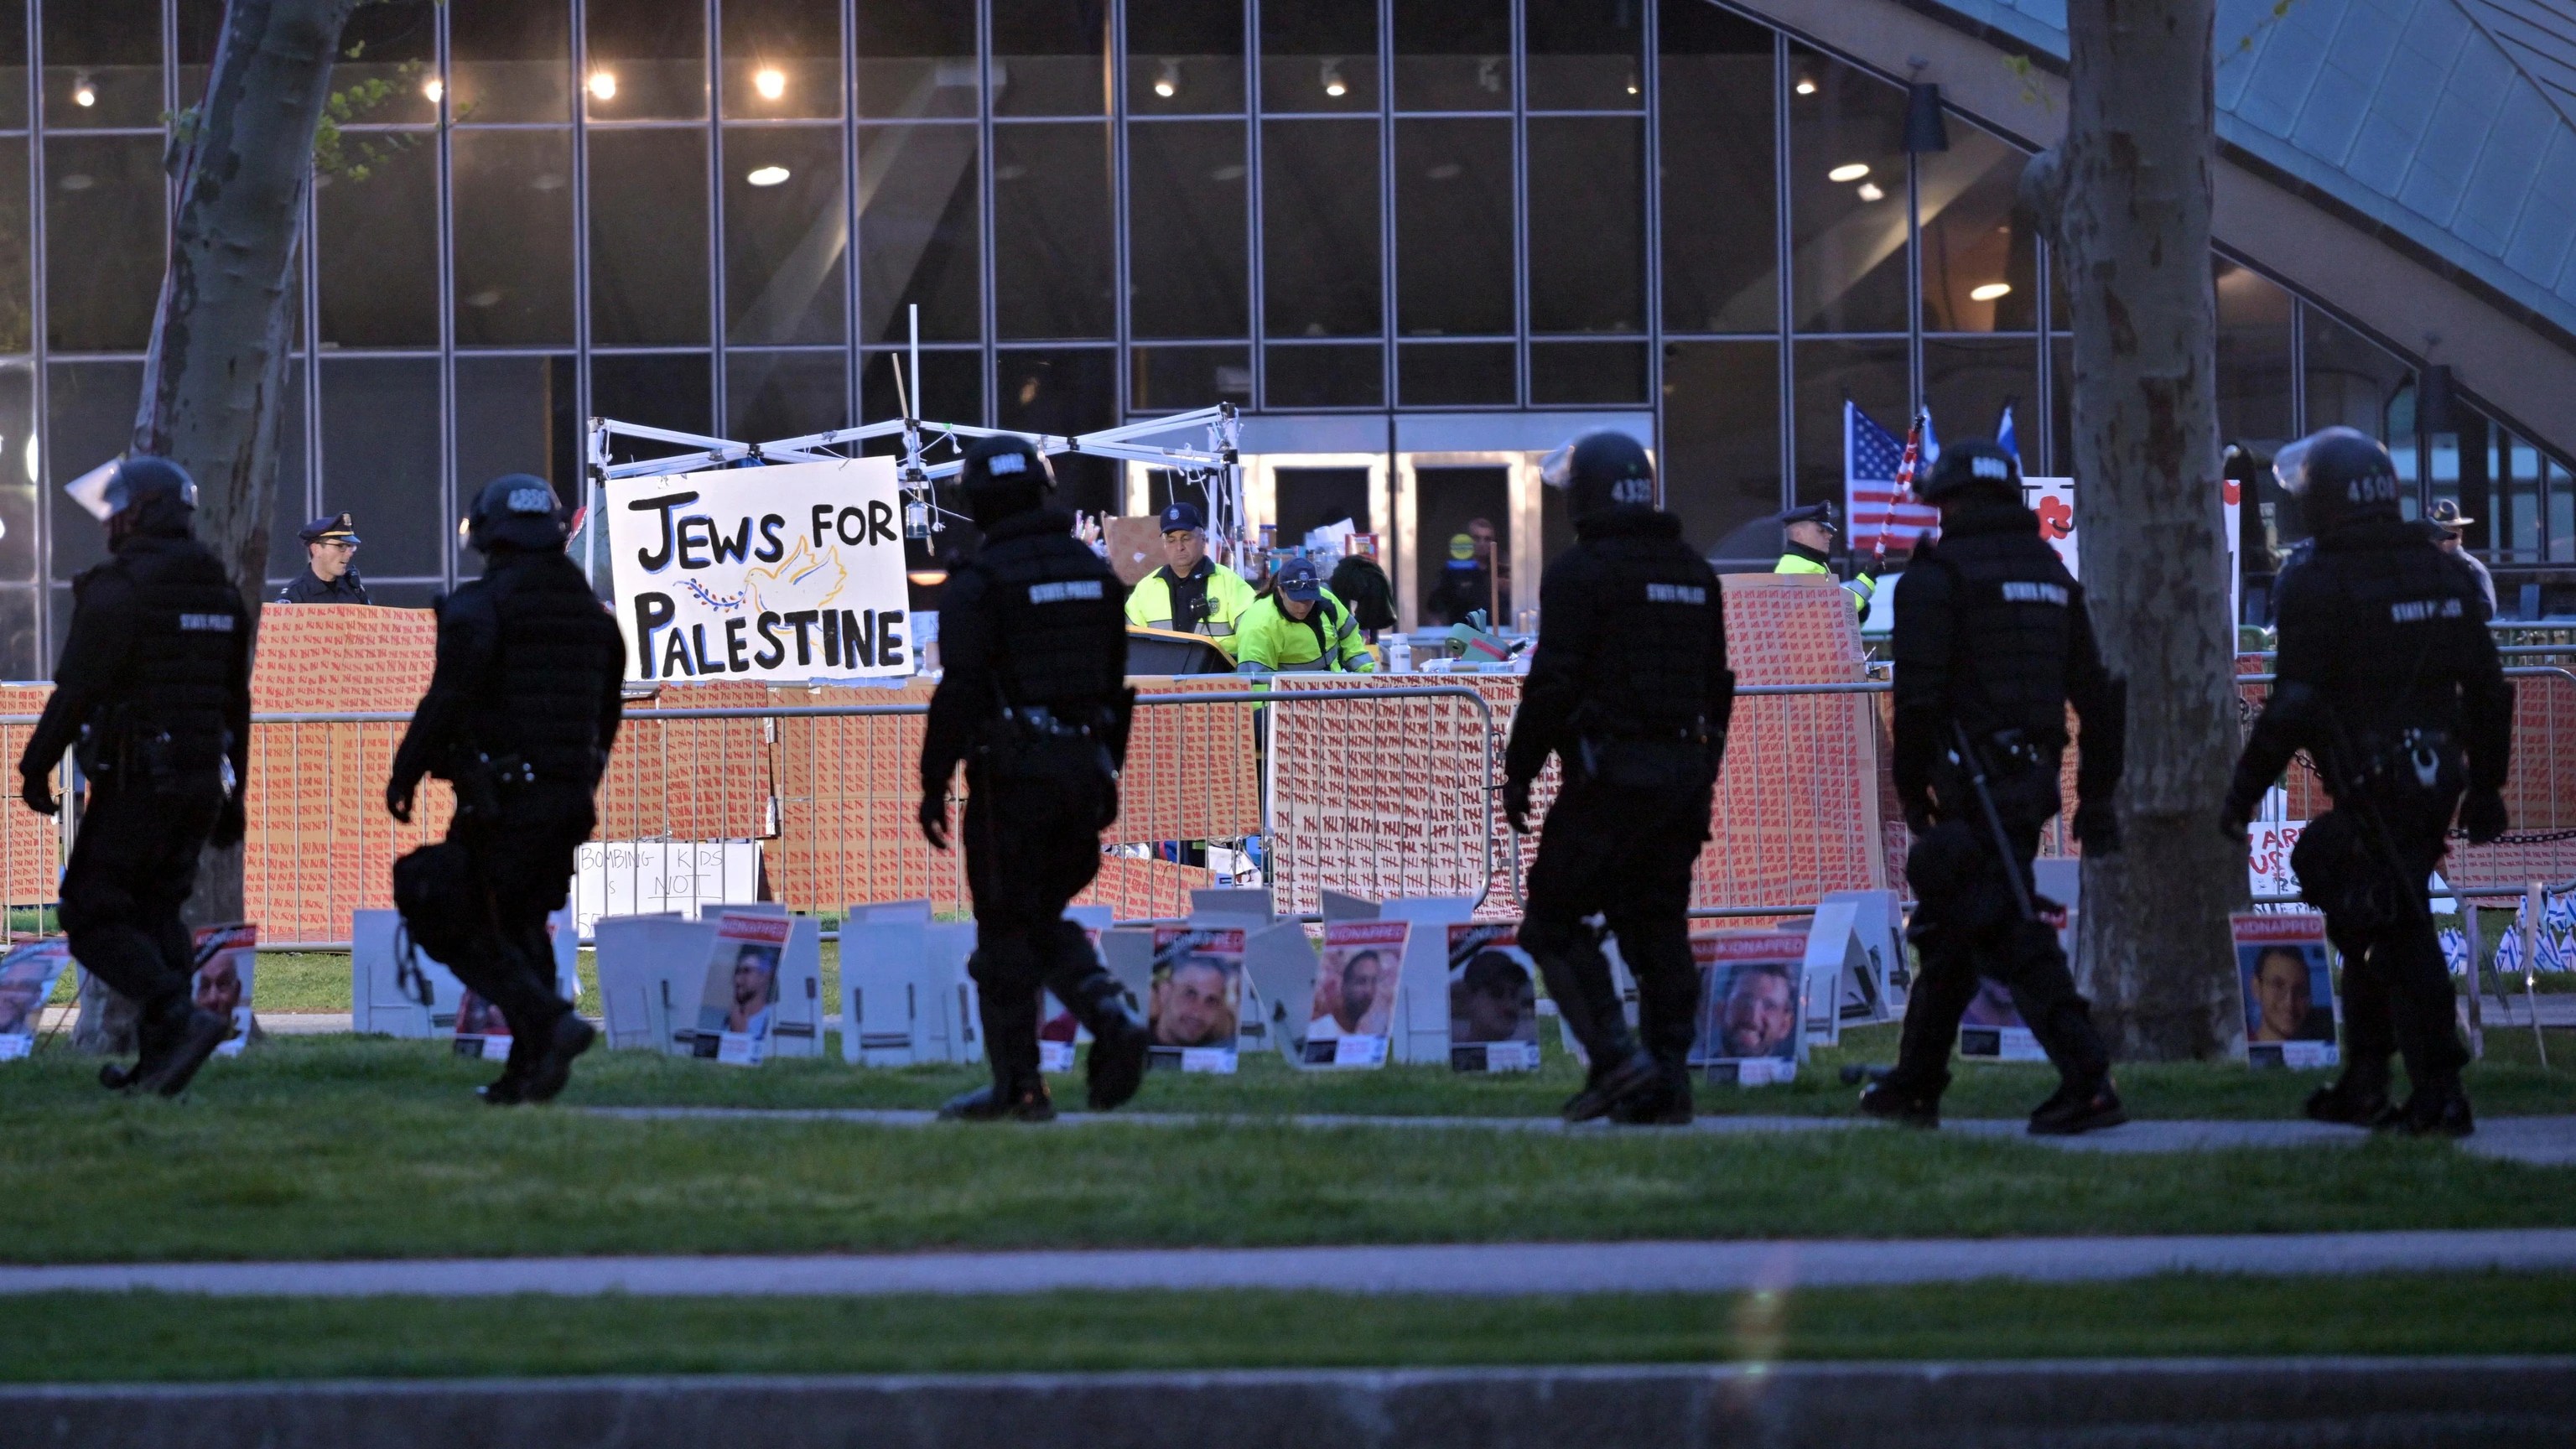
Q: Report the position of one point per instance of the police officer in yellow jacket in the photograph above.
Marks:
(1299, 627)
(1191, 592)
(1810, 550)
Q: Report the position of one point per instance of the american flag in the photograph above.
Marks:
(1878, 471)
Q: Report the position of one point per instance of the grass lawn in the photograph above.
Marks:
(347, 1148)
(129, 1337)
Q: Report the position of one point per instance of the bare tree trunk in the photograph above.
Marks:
(2134, 180)
(213, 380)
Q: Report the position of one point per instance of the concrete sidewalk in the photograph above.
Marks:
(1466, 1270)
(2544, 1141)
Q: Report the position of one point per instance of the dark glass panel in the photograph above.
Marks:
(770, 395)
(1453, 227)
(21, 467)
(952, 391)
(1453, 55)
(2255, 374)
(1320, 234)
(89, 420)
(17, 257)
(1053, 239)
(1587, 209)
(786, 235)
(1473, 374)
(1585, 55)
(918, 241)
(1968, 381)
(1176, 379)
(102, 63)
(1188, 252)
(917, 58)
(106, 241)
(1972, 245)
(513, 202)
(1587, 372)
(13, 66)
(1065, 391)
(379, 252)
(517, 415)
(1720, 200)
(659, 390)
(1470, 501)
(1324, 377)
(1870, 373)
(1721, 459)
(509, 60)
(1312, 498)
(648, 60)
(1184, 57)
(782, 59)
(1846, 199)
(291, 506)
(1050, 58)
(388, 65)
(381, 456)
(648, 237)
(1319, 55)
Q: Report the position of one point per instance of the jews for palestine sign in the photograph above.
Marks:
(783, 573)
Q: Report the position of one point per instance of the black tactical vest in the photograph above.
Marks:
(2012, 623)
(1057, 611)
(190, 635)
(1650, 598)
(554, 659)
(2385, 625)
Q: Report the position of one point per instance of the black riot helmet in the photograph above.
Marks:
(1602, 471)
(1004, 476)
(516, 511)
(1971, 463)
(137, 495)
(2336, 474)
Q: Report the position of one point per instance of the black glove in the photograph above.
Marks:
(398, 793)
(37, 789)
(933, 816)
(231, 824)
(1516, 805)
(2482, 815)
(2097, 828)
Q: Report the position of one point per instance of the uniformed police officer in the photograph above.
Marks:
(1807, 547)
(1992, 643)
(153, 694)
(1035, 704)
(2388, 679)
(330, 570)
(1630, 691)
(1297, 625)
(521, 712)
(1191, 592)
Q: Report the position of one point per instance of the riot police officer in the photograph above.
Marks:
(1035, 703)
(521, 712)
(1992, 643)
(1630, 691)
(2388, 679)
(153, 696)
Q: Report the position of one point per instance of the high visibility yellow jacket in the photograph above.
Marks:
(1326, 640)
(1860, 587)
(1149, 604)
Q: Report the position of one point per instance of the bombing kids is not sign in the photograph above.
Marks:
(782, 573)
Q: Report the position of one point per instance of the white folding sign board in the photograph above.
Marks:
(652, 974)
(783, 573)
(416, 997)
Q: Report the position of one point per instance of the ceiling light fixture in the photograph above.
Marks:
(770, 81)
(84, 94)
(1848, 171)
(1869, 191)
(1806, 87)
(1168, 84)
(603, 85)
(435, 90)
(1333, 85)
(1989, 291)
(1632, 85)
(767, 176)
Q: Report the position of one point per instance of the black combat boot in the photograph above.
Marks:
(1022, 1099)
(2358, 1098)
(2074, 1109)
(177, 1043)
(510, 1088)
(1889, 1102)
(2439, 1107)
(1664, 1102)
(550, 1069)
(1613, 1079)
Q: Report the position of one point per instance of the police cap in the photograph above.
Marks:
(1297, 580)
(336, 528)
(1820, 514)
(1180, 516)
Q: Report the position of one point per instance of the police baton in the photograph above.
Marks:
(1975, 765)
(2375, 825)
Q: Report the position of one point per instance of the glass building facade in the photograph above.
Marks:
(722, 215)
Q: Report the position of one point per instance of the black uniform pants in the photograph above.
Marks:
(2397, 993)
(1625, 854)
(1032, 843)
(1968, 925)
(134, 864)
(524, 862)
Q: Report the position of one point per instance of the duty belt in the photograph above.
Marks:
(1038, 721)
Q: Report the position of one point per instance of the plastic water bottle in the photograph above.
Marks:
(1399, 655)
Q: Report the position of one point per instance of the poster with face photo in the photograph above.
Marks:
(2287, 979)
(741, 1000)
(27, 977)
(1197, 997)
(1493, 1000)
(227, 961)
(1058, 1031)
(1991, 1029)
(1355, 993)
(1752, 993)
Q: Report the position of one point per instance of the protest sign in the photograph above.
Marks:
(1493, 1000)
(227, 959)
(27, 976)
(740, 1005)
(1351, 1011)
(1753, 991)
(779, 574)
(1192, 1018)
(2288, 988)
